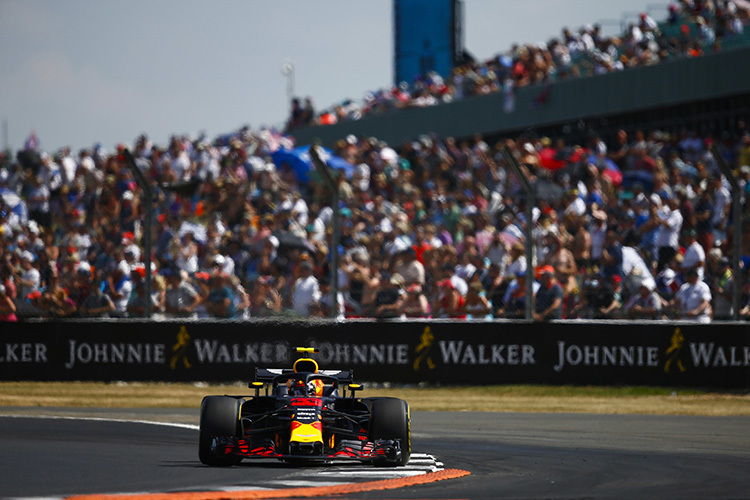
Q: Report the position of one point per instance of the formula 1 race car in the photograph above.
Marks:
(304, 414)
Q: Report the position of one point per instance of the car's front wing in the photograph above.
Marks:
(365, 451)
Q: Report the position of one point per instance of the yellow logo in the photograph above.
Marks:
(180, 349)
(673, 351)
(423, 350)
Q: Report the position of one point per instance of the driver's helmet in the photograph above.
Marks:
(314, 387)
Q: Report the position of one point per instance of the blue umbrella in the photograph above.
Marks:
(300, 161)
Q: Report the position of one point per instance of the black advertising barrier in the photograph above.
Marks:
(447, 353)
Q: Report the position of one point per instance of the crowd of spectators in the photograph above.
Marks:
(431, 230)
(638, 225)
(691, 28)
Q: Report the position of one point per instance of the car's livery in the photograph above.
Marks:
(304, 414)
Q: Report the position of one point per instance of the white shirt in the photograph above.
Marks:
(69, 168)
(88, 163)
(306, 291)
(694, 254)
(598, 233)
(721, 200)
(669, 235)
(651, 301)
(38, 199)
(513, 286)
(32, 275)
(632, 260)
(125, 288)
(51, 176)
(516, 267)
(691, 296)
(459, 284)
(362, 174)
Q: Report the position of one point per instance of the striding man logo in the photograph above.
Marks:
(423, 350)
(180, 350)
(673, 352)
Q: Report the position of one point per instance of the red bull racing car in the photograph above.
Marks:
(304, 414)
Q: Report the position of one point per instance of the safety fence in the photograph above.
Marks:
(400, 352)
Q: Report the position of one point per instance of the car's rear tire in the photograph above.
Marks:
(219, 418)
(390, 419)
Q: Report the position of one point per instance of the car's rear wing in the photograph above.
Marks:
(268, 374)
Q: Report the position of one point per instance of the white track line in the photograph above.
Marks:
(101, 419)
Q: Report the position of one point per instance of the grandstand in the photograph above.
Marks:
(674, 90)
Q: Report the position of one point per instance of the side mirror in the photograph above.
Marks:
(257, 386)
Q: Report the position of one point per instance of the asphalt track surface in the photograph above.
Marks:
(509, 456)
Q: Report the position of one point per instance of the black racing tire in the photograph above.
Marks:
(390, 419)
(219, 418)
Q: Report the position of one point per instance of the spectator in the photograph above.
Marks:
(7, 306)
(562, 260)
(97, 304)
(416, 304)
(187, 253)
(477, 306)
(326, 301)
(612, 257)
(721, 290)
(669, 220)
(514, 300)
(449, 302)
(406, 264)
(306, 290)
(722, 204)
(390, 299)
(646, 304)
(613, 310)
(220, 300)
(203, 287)
(241, 297)
(119, 287)
(704, 210)
(265, 300)
(54, 300)
(549, 297)
(517, 261)
(693, 300)
(138, 301)
(744, 312)
(695, 256)
(597, 299)
(28, 277)
(180, 298)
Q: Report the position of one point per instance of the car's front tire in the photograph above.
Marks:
(219, 418)
(390, 420)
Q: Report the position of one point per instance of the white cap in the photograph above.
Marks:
(26, 255)
(127, 195)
